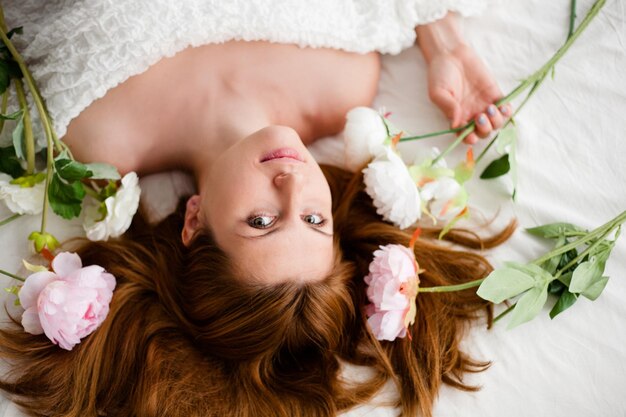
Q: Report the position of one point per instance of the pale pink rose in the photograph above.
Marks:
(390, 274)
(67, 304)
(388, 325)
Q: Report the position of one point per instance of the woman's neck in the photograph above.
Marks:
(219, 126)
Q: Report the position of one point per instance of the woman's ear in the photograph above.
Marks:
(192, 219)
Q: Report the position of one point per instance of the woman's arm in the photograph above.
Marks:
(459, 83)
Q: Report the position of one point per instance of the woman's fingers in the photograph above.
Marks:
(470, 139)
(448, 104)
(495, 117)
(483, 125)
(506, 110)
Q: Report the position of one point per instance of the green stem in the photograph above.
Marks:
(607, 227)
(29, 138)
(504, 313)
(10, 219)
(451, 288)
(5, 103)
(582, 254)
(8, 274)
(430, 135)
(91, 192)
(557, 56)
(32, 87)
(572, 19)
(469, 129)
(49, 172)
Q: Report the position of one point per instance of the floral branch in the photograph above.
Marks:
(8, 274)
(533, 81)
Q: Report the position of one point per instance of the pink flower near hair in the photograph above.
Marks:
(392, 286)
(68, 303)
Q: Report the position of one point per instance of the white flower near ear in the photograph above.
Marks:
(120, 209)
(445, 198)
(364, 136)
(21, 199)
(443, 195)
(389, 184)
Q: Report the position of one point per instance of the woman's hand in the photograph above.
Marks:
(459, 83)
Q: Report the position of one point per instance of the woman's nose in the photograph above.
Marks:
(289, 181)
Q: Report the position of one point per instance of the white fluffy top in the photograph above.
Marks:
(79, 49)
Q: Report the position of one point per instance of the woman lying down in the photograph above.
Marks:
(248, 299)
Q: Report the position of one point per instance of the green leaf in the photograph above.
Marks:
(15, 290)
(565, 301)
(553, 230)
(14, 70)
(551, 264)
(65, 198)
(12, 116)
(17, 30)
(596, 288)
(566, 258)
(496, 168)
(507, 138)
(566, 278)
(101, 171)
(585, 274)
(463, 172)
(528, 306)
(556, 287)
(504, 283)
(540, 275)
(18, 138)
(71, 170)
(9, 164)
(5, 76)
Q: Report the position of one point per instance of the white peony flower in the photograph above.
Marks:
(21, 200)
(392, 189)
(120, 211)
(364, 136)
(444, 197)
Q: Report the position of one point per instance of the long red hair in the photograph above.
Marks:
(184, 337)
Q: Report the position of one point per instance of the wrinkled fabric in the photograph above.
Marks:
(79, 49)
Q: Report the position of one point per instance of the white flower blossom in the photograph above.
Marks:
(21, 200)
(364, 136)
(444, 197)
(120, 211)
(392, 189)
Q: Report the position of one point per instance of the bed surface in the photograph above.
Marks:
(571, 168)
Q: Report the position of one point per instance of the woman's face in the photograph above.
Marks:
(268, 206)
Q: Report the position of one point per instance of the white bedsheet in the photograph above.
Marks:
(571, 154)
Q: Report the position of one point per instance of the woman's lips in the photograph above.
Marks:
(282, 153)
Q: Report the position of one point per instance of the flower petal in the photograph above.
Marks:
(33, 286)
(65, 263)
(30, 321)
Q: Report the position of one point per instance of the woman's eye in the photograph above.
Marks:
(261, 222)
(314, 219)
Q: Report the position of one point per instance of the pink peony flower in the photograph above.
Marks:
(68, 303)
(392, 287)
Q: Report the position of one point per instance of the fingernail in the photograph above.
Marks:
(491, 110)
(482, 119)
(504, 109)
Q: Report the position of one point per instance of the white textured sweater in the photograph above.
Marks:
(79, 49)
